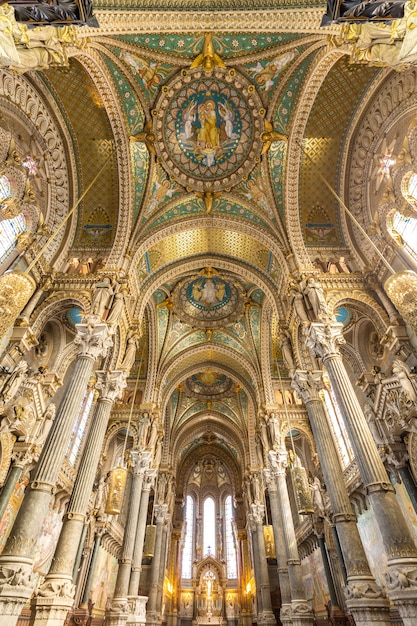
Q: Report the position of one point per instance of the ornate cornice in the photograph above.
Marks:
(266, 20)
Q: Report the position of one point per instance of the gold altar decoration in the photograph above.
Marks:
(117, 485)
(15, 290)
(302, 490)
(149, 543)
(269, 542)
(401, 289)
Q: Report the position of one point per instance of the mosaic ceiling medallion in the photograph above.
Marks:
(209, 385)
(208, 301)
(208, 128)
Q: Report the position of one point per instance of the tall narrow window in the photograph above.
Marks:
(10, 229)
(79, 428)
(339, 428)
(231, 556)
(209, 527)
(406, 227)
(187, 555)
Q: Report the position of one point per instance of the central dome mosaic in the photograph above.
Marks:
(208, 127)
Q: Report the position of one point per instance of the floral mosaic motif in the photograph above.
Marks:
(226, 45)
(140, 165)
(208, 128)
(133, 110)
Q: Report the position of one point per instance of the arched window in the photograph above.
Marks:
(79, 428)
(209, 527)
(187, 555)
(231, 556)
(338, 427)
(406, 227)
(10, 229)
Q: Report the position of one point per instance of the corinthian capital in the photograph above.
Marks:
(93, 338)
(324, 339)
(111, 384)
(307, 384)
(256, 515)
(278, 462)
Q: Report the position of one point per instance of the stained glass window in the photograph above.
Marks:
(187, 555)
(406, 227)
(209, 527)
(231, 556)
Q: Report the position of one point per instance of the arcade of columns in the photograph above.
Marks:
(114, 348)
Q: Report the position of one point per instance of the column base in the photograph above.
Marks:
(285, 614)
(50, 611)
(365, 613)
(153, 618)
(402, 589)
(16, 586)
(137, 610)
(301, 613)
(118, 612)
(266, 618)
(81, 616)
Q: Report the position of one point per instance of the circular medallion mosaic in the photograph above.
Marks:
(208, 301)
(207, 128)
(209, 384)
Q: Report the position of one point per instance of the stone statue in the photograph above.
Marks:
(402, 373)
(46, 424)
(264, 436)
(116, 308)
(153, 436)
(317, 496)
(130, 352)
(315, 299)
(286, 349)
(296, 297)
(158, 453)
(274, 430)
(13, 381)
(103, 291)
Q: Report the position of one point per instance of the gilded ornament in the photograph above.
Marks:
(401, 289)
(15, 290)
(117, 484)
(208, 59)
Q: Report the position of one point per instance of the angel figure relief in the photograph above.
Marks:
(152, 73)
(265, 75)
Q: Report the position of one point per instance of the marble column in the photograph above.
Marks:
(364, 598)
(324, 339)
(265, 613)
(110, 386)
(82, 614)
(118, 611)
(276, 518)
(134, 581)
(16, 577)
(301, 613)
(158, 562)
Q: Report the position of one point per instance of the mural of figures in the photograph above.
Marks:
(315, 580)
(104, 580)
(47, 539)
(12, 508)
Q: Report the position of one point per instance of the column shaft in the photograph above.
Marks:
(139, 539)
